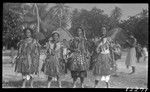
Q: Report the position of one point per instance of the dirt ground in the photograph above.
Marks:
(137, 80)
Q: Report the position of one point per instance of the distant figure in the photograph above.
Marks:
(131, 55)
(145, 54)
(139, 52)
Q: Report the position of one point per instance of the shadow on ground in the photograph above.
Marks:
(11, 84)
(40, 84)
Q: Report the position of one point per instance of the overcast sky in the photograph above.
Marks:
(127, 9)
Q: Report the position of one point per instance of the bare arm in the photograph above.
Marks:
(98, 48)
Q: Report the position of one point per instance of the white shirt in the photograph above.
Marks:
(64, 51)
(105, 51)
(145, 51)
(58, 45)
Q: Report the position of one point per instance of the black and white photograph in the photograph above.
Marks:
(75, 45)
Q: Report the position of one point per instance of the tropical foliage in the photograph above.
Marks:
(44, 18)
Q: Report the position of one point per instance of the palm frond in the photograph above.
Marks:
(118, 35)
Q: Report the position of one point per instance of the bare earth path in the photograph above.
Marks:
(138, 79)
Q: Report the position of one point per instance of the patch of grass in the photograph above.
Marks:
(12, 83)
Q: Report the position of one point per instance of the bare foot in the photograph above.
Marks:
(49, 85)
(60, 86)
(23, 87)
(74, 86)
(32, 85)
(59, 82)
(96, 86)
(82, 86)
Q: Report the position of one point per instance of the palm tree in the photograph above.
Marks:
(33, 10)
(115, 16)
(38, 18)
(116, 13)
(63, 13)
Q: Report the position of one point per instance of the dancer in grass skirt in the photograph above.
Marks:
(102, 68)
(78, 63)
(27, 61)
(54, 63)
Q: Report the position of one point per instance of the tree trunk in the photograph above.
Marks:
(60, 16)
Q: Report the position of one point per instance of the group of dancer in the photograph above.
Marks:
(78, 56)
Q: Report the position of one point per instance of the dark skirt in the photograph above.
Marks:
(35, 65)
(93, 61)
(63, 66)
(102, 67)
(76, 74)
(117, 56)
(78, 63)
(53, 67)
(23, 66)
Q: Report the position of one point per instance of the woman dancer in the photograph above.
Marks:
(102, 66)
(79, 61)
(131, 55)
(53, 68)
(27, 61)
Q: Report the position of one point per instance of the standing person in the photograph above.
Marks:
(138, 52)
(102, 66)
(27, 61)
(145, 53)
(131, 55)
(53, 61)
(79, 61)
